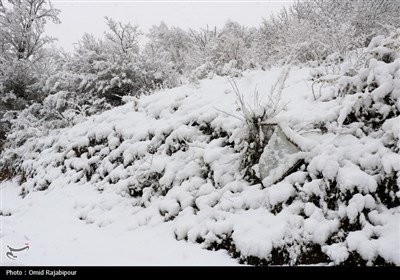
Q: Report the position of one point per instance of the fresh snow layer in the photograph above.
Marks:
(49, 222)
(123, 186)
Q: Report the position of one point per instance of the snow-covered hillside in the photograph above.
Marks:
(169, 166)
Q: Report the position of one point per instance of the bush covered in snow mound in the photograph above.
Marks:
(57, 111)
(176, 156)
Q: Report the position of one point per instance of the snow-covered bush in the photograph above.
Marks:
(225, 52)
(373, 110)
(60, 110)
(313, 29)
(96, 68)
(170, 47)
(258, 120)
(111, 68)
(342, 205)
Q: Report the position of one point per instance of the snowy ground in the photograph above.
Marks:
(124, 186)
(72, 223)
(49, 222)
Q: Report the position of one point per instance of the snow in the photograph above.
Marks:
(256, 231)
(337, 252)
(49, 223)
(144, 183)
(350, 176)
(279, 193)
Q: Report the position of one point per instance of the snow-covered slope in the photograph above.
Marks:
(175, 157)
(51, 224)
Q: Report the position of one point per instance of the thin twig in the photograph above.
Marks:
(228, 114)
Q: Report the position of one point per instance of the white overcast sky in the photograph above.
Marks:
(78, 17)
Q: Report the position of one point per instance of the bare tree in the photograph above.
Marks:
(203, 37)
(124, 36)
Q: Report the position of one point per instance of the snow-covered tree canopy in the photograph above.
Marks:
(22, 26)
(22, 53)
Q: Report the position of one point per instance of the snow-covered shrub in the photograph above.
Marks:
(313, 29)
(204, 71)
(257, 119)
(95, 69)
(225, 52)
(170, 47)
(111, 69)
(373, 110)
(342, 205)
(60, 110)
